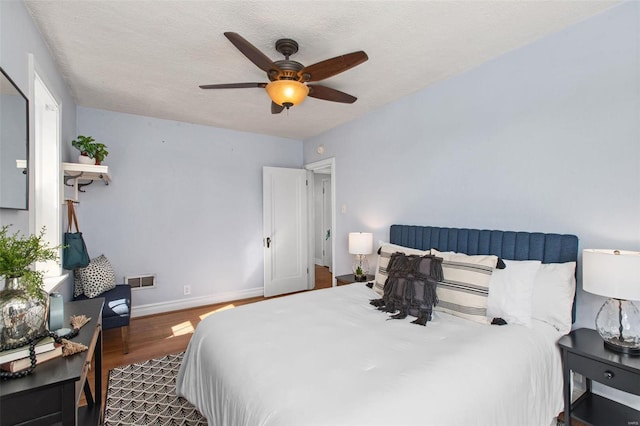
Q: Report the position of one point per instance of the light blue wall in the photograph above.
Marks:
(544, 138)
(185, 204)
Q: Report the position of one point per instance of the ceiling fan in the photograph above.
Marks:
(287, 79)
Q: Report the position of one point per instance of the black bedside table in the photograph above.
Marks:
(583, 352)
(350, 279)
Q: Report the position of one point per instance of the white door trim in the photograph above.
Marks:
(327, 254)
(327, 166)
(44, 168)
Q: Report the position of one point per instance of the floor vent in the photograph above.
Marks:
(141, 281)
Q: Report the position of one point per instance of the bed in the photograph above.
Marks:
(328, 357)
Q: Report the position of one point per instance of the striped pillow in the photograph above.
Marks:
(464, 291)
(385, 252)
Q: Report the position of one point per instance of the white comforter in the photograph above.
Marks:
(329, 358)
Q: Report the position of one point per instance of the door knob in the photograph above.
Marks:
(268, 242)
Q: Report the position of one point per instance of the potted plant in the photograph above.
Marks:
(18, 253)
(359, 274)
(23, 303)
(91, 152)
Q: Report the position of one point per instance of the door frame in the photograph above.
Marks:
(326, 222)
(327, 166)
(44, 169)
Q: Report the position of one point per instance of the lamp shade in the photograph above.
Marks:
(287, 93)
(611, 273)
(360, 242)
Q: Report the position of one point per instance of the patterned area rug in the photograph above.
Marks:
(145, 394)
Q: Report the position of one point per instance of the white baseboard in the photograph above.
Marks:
(194, 302)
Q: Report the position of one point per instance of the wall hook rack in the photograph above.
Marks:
(74, 172)
(76, 179)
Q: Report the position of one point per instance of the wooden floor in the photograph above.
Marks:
(154, 336)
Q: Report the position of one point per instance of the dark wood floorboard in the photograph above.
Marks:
(324, 278)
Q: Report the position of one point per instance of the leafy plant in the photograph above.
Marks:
(85, 144)
(89, 147)
(18, 253)
(359, 271)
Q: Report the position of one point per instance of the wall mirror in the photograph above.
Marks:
(14, 145)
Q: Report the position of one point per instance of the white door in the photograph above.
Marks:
(286, 240)
(326, 223)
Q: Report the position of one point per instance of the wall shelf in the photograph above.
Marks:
(82, 175)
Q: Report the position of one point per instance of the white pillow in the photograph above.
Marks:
(386, 250)
(465, 288)
(553, 291)
(511, 292)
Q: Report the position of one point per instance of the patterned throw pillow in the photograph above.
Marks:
(95, 279)
(464, 291)
(385, 252)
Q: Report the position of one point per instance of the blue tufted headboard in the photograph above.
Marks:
(548, 248)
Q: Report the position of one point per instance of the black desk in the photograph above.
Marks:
(50, 395)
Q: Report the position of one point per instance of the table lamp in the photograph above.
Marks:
(360, 244)
(615, 274)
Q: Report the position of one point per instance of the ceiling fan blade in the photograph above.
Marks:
(333, 66)
(261, 60)
(232, 85)
(329, 94)
(275, 108)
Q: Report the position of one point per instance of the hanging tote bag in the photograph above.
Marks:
(74, 254)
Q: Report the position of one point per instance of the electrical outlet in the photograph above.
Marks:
(187, 289)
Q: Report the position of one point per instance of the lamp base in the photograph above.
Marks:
(622, 349)
(360, 278)
(360, 267)
(618, 323)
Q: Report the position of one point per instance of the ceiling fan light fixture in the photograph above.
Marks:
(287, 93)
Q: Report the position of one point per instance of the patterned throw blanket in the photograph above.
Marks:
(410, 288)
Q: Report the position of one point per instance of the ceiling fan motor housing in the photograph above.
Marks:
(289, 70)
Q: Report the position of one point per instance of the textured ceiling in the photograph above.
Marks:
(149, 57)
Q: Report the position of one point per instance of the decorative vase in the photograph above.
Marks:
(83, 159)
(22, 317)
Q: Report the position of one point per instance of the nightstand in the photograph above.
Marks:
(350, 279)
(583, 352)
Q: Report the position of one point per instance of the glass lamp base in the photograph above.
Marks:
(361, 266)
(618, 323)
